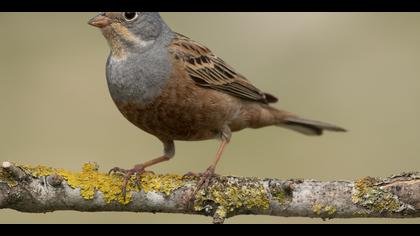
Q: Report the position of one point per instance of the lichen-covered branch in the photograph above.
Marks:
(44, 189)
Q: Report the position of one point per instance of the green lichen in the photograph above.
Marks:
(373, 198)
(281, 197)
(325, 211)
(282, 193)
(231, 194)
(362, 214)
(5, 177)
(90, 180)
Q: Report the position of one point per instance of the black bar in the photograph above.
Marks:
(214, 5)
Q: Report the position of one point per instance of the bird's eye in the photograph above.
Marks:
(130, 16)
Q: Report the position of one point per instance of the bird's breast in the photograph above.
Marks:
(137, 78)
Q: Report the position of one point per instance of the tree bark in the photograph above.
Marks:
(44, 189)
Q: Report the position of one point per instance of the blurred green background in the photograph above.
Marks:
(357, 70)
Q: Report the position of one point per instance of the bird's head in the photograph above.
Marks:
(126, 30)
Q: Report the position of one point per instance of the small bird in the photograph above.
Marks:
(177, 89)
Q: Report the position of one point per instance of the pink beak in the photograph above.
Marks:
(100, 21)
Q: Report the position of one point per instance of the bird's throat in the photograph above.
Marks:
(122, 41)
(116, 44)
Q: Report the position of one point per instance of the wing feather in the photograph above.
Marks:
(208, 70)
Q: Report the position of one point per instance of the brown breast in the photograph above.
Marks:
(183, 110)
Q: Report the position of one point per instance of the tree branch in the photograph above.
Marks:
(44, 189)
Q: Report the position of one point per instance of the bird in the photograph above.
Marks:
(177, 89)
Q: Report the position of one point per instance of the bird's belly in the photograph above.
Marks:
(173, 121)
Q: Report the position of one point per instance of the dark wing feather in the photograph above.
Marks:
(210, 71)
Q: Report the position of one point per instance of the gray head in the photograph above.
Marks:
(124, 30)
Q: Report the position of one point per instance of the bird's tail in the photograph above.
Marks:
(308, 127)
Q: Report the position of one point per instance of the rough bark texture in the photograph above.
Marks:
(44, 189)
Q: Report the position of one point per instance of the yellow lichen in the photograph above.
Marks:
(38, 171)
(232, 195)
(326, 211)
(317, 208)
(372, 197)
(5, 177)
(220, 215)
(330, 210)
(161, 183)
(89, 181)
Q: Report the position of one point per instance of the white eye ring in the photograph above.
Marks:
(130, 16)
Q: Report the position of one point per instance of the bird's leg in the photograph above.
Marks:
(206, 177)
(169, 152)
(210, 172)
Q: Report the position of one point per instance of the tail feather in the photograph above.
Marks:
(309, 127)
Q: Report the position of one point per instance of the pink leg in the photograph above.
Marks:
(209, 173)
(140, 169)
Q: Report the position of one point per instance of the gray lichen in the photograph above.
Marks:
(228, 195)
(282, 192)
(375, 198)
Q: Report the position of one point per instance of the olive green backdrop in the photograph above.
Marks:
(357, 70)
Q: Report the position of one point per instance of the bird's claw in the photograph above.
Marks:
(202, 184)
(117, 170)
(137, 171)
(205, 179)
(192, 174)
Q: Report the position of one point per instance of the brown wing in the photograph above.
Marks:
(210, 71)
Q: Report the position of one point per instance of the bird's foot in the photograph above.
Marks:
(137, 171)
(202, 184)
(192, 174)
(205, 179)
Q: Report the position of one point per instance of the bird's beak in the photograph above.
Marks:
(100, 21)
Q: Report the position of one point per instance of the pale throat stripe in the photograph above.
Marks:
(127, 35)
